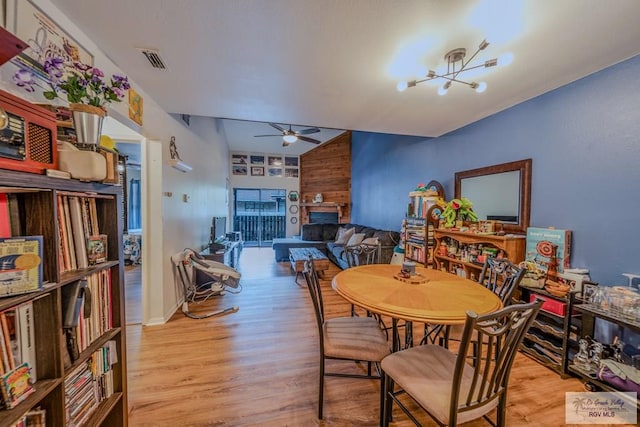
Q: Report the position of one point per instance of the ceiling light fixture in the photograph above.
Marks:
(289, 138)
(455, 66)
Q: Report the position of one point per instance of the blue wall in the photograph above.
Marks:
(584, 139)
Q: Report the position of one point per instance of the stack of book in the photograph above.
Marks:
(88, 385)
(90, 317)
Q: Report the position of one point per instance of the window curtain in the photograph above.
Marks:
(134, 217)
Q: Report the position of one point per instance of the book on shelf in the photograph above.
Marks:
(5, 216)
(548, 248)
(97, 249)
(16, 385)
(78, 232)
(17, 338)
(20, 265)
(26, 336)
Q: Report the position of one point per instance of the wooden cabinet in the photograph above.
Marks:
(100, 339)
(553, 337)
(463, 253)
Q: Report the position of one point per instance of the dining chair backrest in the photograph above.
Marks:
(362, 254)
(313, 284)
(502, 277)
(499, 336)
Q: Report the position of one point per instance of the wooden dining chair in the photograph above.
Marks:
(445, 385)
(356, 339)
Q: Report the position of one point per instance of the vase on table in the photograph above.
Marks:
(87, 121)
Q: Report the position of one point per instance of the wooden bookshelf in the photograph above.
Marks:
(35, 201)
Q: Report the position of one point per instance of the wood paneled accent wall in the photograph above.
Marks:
(327, 170)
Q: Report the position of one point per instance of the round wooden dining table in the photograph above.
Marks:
(440, 299)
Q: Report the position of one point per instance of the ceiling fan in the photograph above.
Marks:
(290, 136)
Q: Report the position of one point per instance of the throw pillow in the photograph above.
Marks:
(355, 239)
(370, 241)
(344, 234)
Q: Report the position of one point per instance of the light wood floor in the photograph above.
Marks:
(259, 366)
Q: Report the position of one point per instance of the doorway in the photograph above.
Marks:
(259, 214)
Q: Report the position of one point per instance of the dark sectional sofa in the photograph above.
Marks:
(323, 236)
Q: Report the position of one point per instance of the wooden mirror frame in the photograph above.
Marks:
(524, 166)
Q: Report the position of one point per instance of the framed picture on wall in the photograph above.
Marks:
(275, 161)
(239, 170)
(257, 171)
(239, 159)
(44, 36)
(257, 160)
(275, 171)
(291, 161)
(291, 172)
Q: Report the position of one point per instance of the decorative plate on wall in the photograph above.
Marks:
(293, 209)
(293, 220)
(293, 196)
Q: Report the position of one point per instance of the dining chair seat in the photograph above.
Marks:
(358, 338)
(425, 373)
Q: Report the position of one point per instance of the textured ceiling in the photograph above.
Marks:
(335, 63)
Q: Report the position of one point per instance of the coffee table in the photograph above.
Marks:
(298, 256)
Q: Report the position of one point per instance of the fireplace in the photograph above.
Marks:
(323, 217)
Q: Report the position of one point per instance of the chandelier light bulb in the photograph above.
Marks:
(505, 59)
(402, 86)
(482, 86)
(289, 138)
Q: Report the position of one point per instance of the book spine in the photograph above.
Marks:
(27, 336)
(7, 341)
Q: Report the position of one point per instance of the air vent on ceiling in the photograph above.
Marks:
(153, 56)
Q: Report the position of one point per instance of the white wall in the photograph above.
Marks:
(171, 223)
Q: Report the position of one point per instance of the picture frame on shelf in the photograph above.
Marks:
(257, 171)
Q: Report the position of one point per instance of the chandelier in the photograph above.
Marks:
(456, 65)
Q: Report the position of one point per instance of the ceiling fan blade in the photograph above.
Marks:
(266, 135)
(307, 131)
(307, 139)
(277, 126)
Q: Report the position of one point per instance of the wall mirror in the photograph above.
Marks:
(499, 192)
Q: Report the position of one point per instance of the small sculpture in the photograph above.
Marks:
(581, 359)
(596, 356)
(318, 198)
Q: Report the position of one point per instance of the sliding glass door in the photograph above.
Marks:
(259, 214)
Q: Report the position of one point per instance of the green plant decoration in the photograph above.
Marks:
(455, 209)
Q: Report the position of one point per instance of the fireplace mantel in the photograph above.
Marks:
(321, 207)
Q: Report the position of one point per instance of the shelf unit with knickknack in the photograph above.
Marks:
(553, 336)
(463, 253)
(591, 313)
(423, 217)
(418, 236)
(100, 332)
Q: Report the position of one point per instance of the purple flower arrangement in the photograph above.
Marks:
(78, 83)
